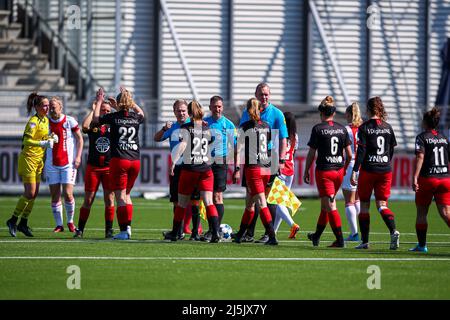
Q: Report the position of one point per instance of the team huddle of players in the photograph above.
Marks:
(357, 157)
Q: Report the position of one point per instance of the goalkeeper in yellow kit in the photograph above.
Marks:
(34, 142)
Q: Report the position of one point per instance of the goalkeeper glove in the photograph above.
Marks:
(47, 143)
(55, 138)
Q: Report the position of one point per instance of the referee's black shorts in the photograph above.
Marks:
(220, 176)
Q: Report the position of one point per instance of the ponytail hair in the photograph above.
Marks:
(34, 100)
(291, 126)
(124, 101)
(253, 106)
(327, 106)
(376, 108)
(431, 118)
(195, 110)
(355, 112)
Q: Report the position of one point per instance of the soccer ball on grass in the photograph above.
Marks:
(225, 232)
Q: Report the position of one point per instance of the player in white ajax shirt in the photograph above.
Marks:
(62, 162)
(352, 204)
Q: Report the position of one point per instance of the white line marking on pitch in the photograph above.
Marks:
(224, 258)
(162, 241)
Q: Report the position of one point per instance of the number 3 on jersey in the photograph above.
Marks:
(124, 132)
(262, 142)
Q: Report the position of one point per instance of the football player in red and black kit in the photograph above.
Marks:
(254, 136)
(431, 176)
(125, 156)
(376, 142)
(196, 173)
(97, 171)
(329, 139)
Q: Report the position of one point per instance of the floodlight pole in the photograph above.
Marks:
(118, 58)
(179, 49)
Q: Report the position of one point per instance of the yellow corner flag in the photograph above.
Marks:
(280, 194)
(202, 210)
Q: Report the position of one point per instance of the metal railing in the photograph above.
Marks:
(60, 55)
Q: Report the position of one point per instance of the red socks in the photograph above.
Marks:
(323, 218)
(109, 213)
(335, 219)
(247, 217)
(84, 213)
(211, 211)
(388, 218)
(364, 225)
(129, 213)
(122, 217)
(266, 218)
(179, 214)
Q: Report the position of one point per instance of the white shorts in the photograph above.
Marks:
(287, 180)
(56, 175)
(346, 185)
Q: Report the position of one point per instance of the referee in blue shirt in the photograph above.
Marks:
(224, 138)
(171, 131)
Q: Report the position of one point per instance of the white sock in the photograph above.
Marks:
(57, 213)
(358, 207)
(283, 213)
(350, 212)
(277, 222)
(70, 210)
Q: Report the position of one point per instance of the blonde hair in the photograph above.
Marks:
(125, 101)
(57, 100)
(195, 110)
(253, 106)
(355, 112)
(328, 101)
(327, 106)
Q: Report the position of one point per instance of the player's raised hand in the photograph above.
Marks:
(123, 89)
(100, 94)
(112, 102)
(168, 125)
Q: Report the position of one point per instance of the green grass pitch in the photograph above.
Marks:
(149, 268)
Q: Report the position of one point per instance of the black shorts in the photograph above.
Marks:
(173, 187)
(220, 176)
